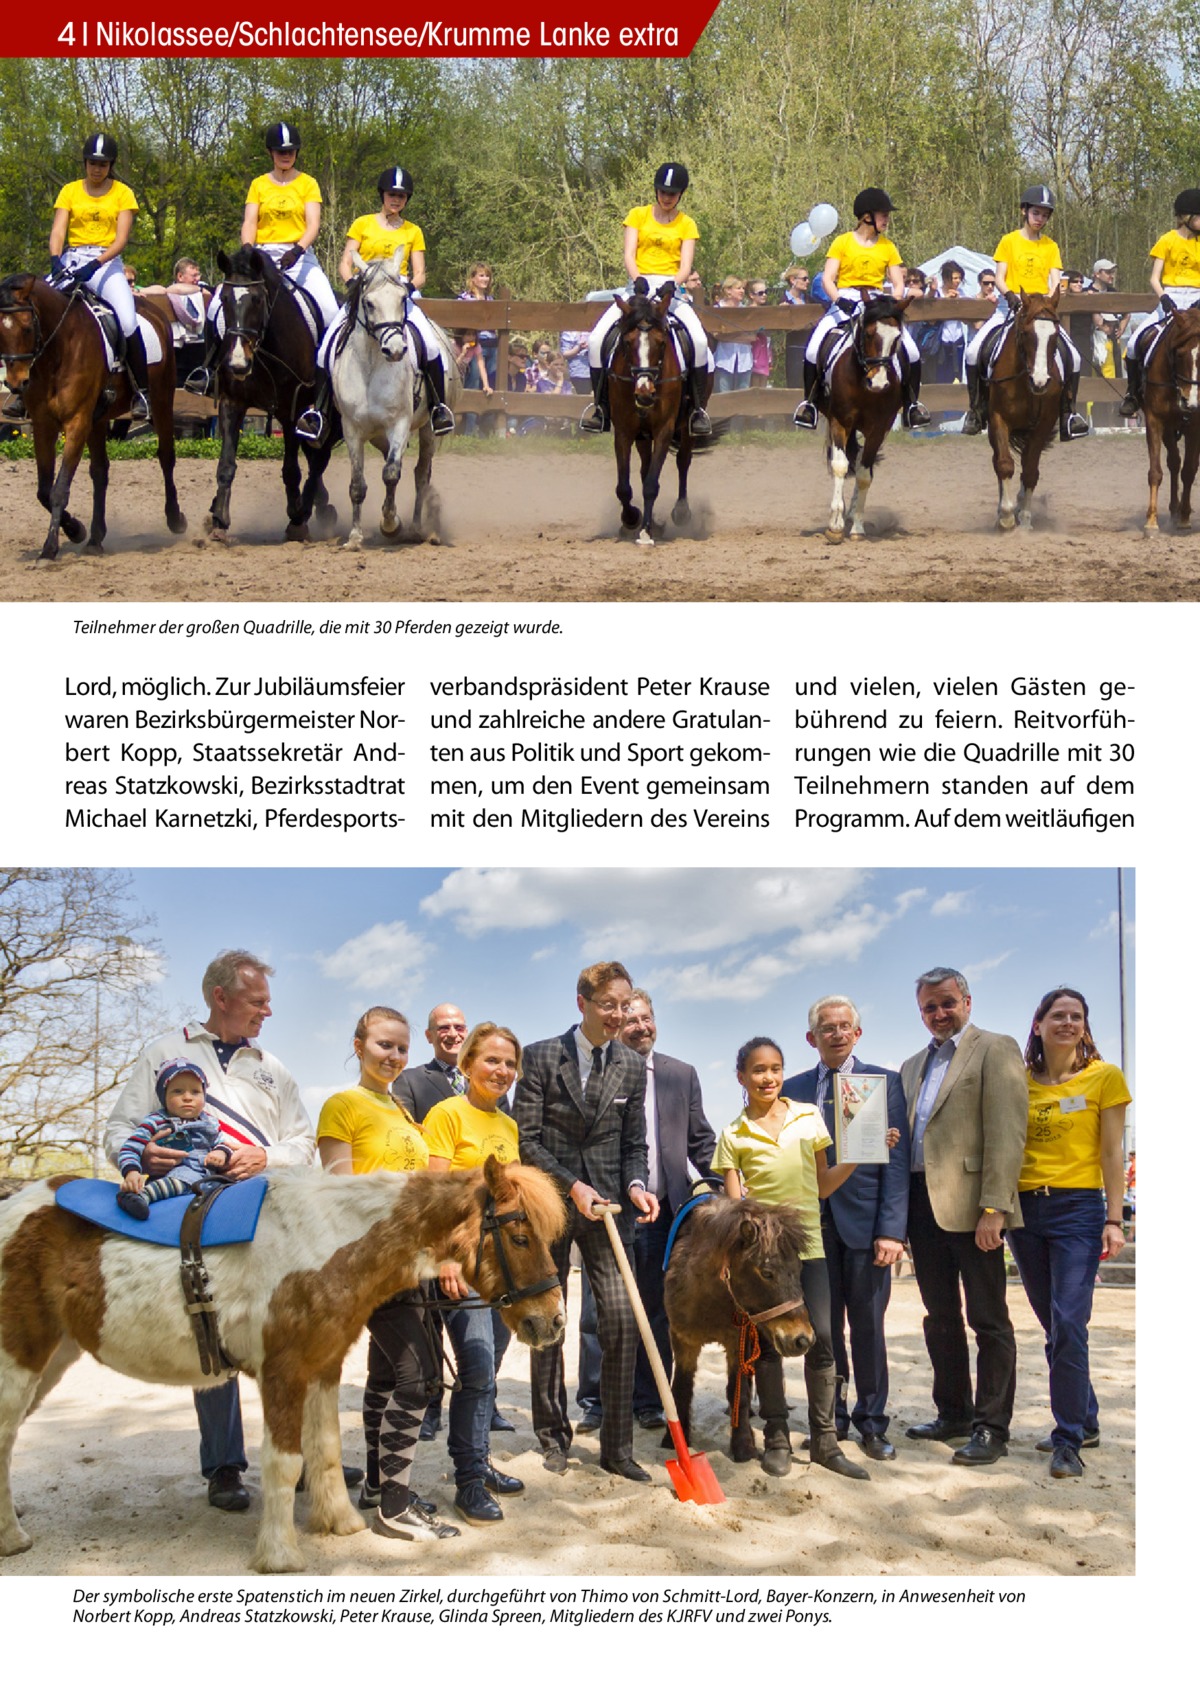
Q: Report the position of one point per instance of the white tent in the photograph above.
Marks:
(971, 262)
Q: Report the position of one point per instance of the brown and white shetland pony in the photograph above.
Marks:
(1171, 386)
(328, 1251)
(861, 400)
(1025, 390)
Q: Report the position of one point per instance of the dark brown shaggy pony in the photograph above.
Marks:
(735, 1265)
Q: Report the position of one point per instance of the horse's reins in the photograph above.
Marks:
(41, 344)
(491, 1224)
(653, 374)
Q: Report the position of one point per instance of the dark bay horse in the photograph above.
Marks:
(1025, 390)
(735, 1266)
(649, 402)
(268, 361)
(53, 350)
(1171, 409)
(860, 400)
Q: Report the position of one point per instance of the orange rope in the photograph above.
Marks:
(747, 1334)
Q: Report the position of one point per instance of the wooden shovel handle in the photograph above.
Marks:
(608, 1210)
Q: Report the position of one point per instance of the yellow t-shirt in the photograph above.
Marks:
(660, 246)
(1062, 1148)
(380, 242)
(281, 206)
(93, 218)
(1180, 256)
(379, 1132)
(458, 1131)
(863, 266)
(780, 1170)
(1029, 263)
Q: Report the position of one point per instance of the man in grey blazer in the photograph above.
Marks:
(580, 1110)
(968, 1107)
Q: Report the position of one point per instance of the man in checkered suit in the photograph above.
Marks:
(580, 1108)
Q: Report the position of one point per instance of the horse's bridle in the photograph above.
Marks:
(868, 363)
(233, 311)
(376, 329)
(40, 343)
(491, 1224)
(776, 1312)
(653, 375)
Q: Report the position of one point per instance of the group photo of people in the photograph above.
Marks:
(943, 1269)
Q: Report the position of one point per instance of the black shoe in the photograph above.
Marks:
(1072, 426)
(136, 1205)
(627, 1469)
(916, 415)
(499, 1423)
(441, 420)
(807, 416)
(14, 408)
(877, 1448)
(501, 1483)
(1047, 1446)
(1066, 1463)
(430, 1428)
(777, 1458)
(1129, 409)
(593, 420)
(227, 1492)
(589, 1423)
(139, 408)
(841, 1464)
(199, 381)
(940, 1431)
(650, 1418)
(985, 1448)
(311, 425)
(554, 1460)
(972, 423)
(699, 423)
(477, 1505)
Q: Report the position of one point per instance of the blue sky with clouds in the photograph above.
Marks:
(725, 953)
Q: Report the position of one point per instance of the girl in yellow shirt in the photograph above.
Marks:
(1175, 274)
(1026, 259)
(1072, 1190)
(660, 246)
(462, 1132)
(860, 264)
(361, 1130)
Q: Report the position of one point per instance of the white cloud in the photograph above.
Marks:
(386, 956)
(974, 972)
(952, 904)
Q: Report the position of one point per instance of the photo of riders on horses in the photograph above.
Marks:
(493, 1186)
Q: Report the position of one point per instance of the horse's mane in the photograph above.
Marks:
(643, 309)
(249, 261)
(10, 285)
(881, 307)
(717, 1229)
(541, 1200)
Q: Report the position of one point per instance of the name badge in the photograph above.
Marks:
(1074, 1103)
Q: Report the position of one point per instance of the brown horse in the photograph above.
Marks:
(1171, 409)
(861, 399)
(650, 404)
(54, 352)
(1025, 390)
(735, 1269)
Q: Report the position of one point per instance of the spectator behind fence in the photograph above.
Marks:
(732, 353)
(1107, 331)
(478, 349)
(796, 283)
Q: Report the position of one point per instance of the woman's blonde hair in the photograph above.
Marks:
(483, 1032)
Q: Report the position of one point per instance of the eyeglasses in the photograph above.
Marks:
(607, 1007)
(758, 295)
(450, 1029)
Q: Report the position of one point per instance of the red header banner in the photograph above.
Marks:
(366, 29)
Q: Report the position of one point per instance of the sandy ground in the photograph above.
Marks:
(532, 523)
(106, 1475)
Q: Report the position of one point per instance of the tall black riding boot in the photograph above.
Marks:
(200, 380)
(973, 418)
(700, 424)
(1071, 424)
(914, 410)
(1131, 402)
(596, 417)
(807, 415)
(139, 376)
(440, 417)
(772, 1404)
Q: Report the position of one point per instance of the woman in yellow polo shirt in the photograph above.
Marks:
(386, 235)
(1026, 259)
(860, 264)
(93, 219)
(1175, 273)
(775, 1151)
(462, 1132)
(364, 1129)
(660, 246)
(1072, 1189)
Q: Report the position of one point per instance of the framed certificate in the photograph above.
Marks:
(860, 1120)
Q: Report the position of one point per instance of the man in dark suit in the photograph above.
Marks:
(420, 1088)
(968, 1109)
(677, 1134)
(580, 1109)
(862, 1225)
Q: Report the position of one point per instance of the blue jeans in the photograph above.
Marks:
(1058, 1255)
(471, 1405)
(469, 424)
(219, 1411)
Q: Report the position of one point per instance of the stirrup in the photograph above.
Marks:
(699, 424)
(441, 420)
(1071, 426)
(916, 414)
(14, 408)
(139, 408)
(1130, 407)
(311, 425)
(593, 420)
(199, 382)
(807, 416)
(972, 423)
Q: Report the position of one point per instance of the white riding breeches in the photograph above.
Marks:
(1002, 313)
(682, 311)
(420, 325)
(110, 284)
(835, 317)
(306, 272)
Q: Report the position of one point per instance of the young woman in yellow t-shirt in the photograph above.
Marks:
(1175, 273)
(386, 235)
(93, 219)
(463, 1131)
(1026, 259)
(860, 264)
(364, 1129)
(660, 246)
(1072, 1190)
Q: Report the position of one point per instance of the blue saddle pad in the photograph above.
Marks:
(233, 1216)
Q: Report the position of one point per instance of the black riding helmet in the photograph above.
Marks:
(1187, 204)
(1038, 195)
(101, 148)
(397, 180)
(672, 177)
(872, 201)
(280, 136)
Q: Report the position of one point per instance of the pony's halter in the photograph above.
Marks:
(490, 1225)
(776, 1312)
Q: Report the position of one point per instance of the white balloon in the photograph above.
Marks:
(803, 241)
(823, 220)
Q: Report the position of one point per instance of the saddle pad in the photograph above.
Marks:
(677, 1222)
(106, 319)
(233, 1216)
